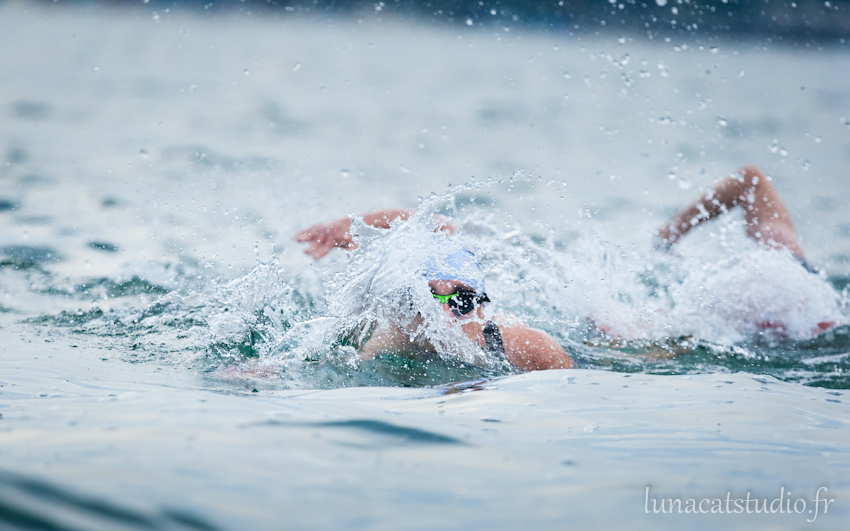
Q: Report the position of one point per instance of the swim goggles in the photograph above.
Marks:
(462, 302)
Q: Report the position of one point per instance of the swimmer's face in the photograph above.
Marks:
(448, 287)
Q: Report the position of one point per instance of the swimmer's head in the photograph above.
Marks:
(455, 263)
(457, 298)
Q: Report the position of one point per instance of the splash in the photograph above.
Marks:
(719, 302)
(263, 326)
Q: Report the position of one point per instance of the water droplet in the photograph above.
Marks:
(143, 153)
(193, 88)
(773, 147)
(404, 169)
(715, 49)
(245, 72)
(740, 73)
(469, 22)
(95, 69)
(344, 173)
(818, 139)
(493, 12)
(721, 121)
(297, 67)
(661, 3)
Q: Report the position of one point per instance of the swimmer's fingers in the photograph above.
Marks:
(313, 232)
(447, 227)
(323, 237)
(665, 237)
(660, 243)
(443, 224)
(338, 234)
(321, 245)
(307, 234)
(318, 250)
(317, 237)
(664, 233)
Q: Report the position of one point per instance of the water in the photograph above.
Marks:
(171, 359)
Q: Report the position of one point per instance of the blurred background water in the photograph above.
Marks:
(158, 156)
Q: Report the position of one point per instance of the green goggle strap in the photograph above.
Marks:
(444, 299)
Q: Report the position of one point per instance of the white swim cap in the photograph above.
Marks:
(455, 262)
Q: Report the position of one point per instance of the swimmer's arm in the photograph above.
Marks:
(722, 196)
(533, 350)
(767, 218)
(383, 218)
(323, 237)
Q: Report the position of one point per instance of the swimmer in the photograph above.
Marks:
(457, 284)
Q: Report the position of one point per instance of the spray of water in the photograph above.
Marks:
(718, 302)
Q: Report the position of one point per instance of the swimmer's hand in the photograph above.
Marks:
(323, 237)
(660, 244)
(443, 225)
(665, 237)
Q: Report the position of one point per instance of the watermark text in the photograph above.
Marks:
(749, 504)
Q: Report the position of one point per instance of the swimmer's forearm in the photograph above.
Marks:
(684, 221)
(383, 218)
(323, 237)
(725, 195)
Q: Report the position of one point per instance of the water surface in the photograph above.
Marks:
(170, 359)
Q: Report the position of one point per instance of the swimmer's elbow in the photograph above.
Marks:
(559, 359)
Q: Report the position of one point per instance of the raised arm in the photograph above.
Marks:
(323, 237)
(767, 218)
